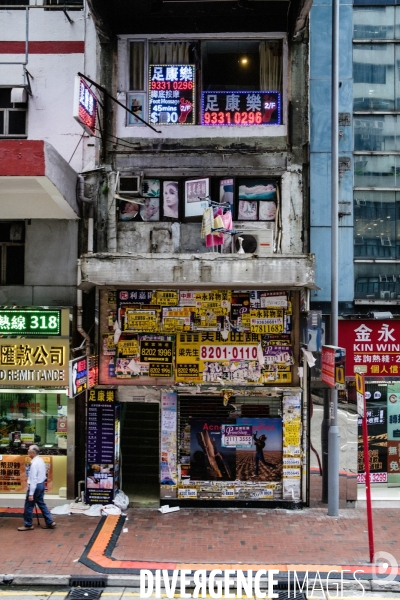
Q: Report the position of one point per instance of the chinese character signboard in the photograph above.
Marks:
(172, 94)
(77, 376)
(85, 106)
(34, 362)
(30, 322)
(372, 347)
(102, 460)
(377, 420)
(241, 108)
(14, 472)
(333, 367)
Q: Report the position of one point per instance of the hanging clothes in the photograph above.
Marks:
(208, 222)
(227, 219)
(215, 239)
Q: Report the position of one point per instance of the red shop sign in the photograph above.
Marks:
(372, 347)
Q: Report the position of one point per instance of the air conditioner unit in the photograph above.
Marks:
(130, 185)
(260, 241)
(385, 295)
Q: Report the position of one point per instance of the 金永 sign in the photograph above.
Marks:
(172, 94)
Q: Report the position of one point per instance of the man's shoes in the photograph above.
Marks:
(31, 528)
(51, 526)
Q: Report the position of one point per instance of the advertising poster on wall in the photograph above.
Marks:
(168, 466)
(254, 456)
(209, 460)
(291, 447)
(263, 460)
(14, 473)
(209, 336)
(376, 400)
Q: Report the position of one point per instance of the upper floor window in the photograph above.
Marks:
(12, 115)
(15, 3)
(12, 252)
(209, 82)
(60, 4)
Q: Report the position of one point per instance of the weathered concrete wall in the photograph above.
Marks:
(193, 270)
(51, 252)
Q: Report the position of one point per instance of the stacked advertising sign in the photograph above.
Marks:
(103, 447)
(241, 108)
(172, 94)
(85, 106)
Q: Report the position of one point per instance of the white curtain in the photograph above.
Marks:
(271, 66)
(168, 53)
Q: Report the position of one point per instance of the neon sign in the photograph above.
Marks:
(172, 94)
(241, 108)
(30, 322)
(85, 106)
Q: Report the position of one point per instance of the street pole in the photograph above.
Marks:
(333, 439)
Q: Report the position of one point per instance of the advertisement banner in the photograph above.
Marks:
(14, 472)
(393, 433)
(372, 347)
(172, 94)
(102, 445)
(168, 466)
(376, 401)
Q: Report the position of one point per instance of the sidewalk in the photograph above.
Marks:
(196, 539)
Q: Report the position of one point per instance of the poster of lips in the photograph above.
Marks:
(172, 94)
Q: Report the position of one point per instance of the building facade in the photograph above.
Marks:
(42, 150)
(201, 267)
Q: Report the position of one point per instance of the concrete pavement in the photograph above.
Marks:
(119, 547)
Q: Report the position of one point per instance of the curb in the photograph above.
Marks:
(133, 581)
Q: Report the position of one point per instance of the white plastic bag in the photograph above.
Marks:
(121, 500)
(110, 509)
(64, 509)
(94, 510)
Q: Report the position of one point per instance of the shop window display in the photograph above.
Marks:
(33, 419)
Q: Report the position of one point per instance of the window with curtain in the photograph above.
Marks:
(222, 66)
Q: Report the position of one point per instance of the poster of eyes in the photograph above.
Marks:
(202, 337)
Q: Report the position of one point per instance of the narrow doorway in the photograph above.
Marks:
(140, 443)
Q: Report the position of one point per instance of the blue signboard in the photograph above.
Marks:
(241, 108)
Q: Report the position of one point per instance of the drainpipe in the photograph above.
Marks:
(111, 220)
(90, 201)
(79, 310)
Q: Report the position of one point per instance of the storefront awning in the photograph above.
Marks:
(199, 270)
(35, 182)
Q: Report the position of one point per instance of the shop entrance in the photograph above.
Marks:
(140, 444)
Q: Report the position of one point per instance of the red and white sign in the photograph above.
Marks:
(372, 347)
(85, 106)
(328, 365)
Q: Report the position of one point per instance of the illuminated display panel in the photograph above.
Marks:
(30, 322)
(172, 94)
(85, 106)
(241, 108)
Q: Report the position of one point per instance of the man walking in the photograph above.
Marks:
(35, 492)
